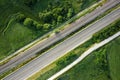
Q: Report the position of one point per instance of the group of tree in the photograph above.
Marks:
(32, 24)
(35, 25)
(55, 14)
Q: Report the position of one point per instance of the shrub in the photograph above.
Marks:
(28, 22)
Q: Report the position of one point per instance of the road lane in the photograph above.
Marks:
(60, 50)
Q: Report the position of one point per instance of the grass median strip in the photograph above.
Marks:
(74, 54)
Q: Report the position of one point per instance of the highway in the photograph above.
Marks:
(41, 45)
(61, 49)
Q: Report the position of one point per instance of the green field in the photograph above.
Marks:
(14, 38)
(114, 59)
(17, 34)
(102, 64)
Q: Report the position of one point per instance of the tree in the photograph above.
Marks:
(35, 23)
(57, 11)
(45, 17)
(28, 22)
(59, 19)
(70, 13)
(53, 23)
(39, 26)
(46, 26)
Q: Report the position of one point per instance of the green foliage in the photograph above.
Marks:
(28, 22)
(66, 60)
(59, 19)
(45, 17)
(39, 26)
(56, 13)
(70, 13)
(105, 33)
(101, 59)
(46, 26)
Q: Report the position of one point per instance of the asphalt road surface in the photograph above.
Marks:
(61, 49)
(72, 27)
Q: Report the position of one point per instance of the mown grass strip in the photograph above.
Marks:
(113, 58)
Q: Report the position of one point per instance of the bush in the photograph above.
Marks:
(109, 31)
(28, 22)
(46, 26)
(66, 60)
(39, 26)
(70, 13)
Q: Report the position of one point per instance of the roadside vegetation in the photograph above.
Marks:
(87, 45)
(31, 21)
(102, 64)
(74, 54)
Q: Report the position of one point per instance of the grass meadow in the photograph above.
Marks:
(14, 38)
(114, 59)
